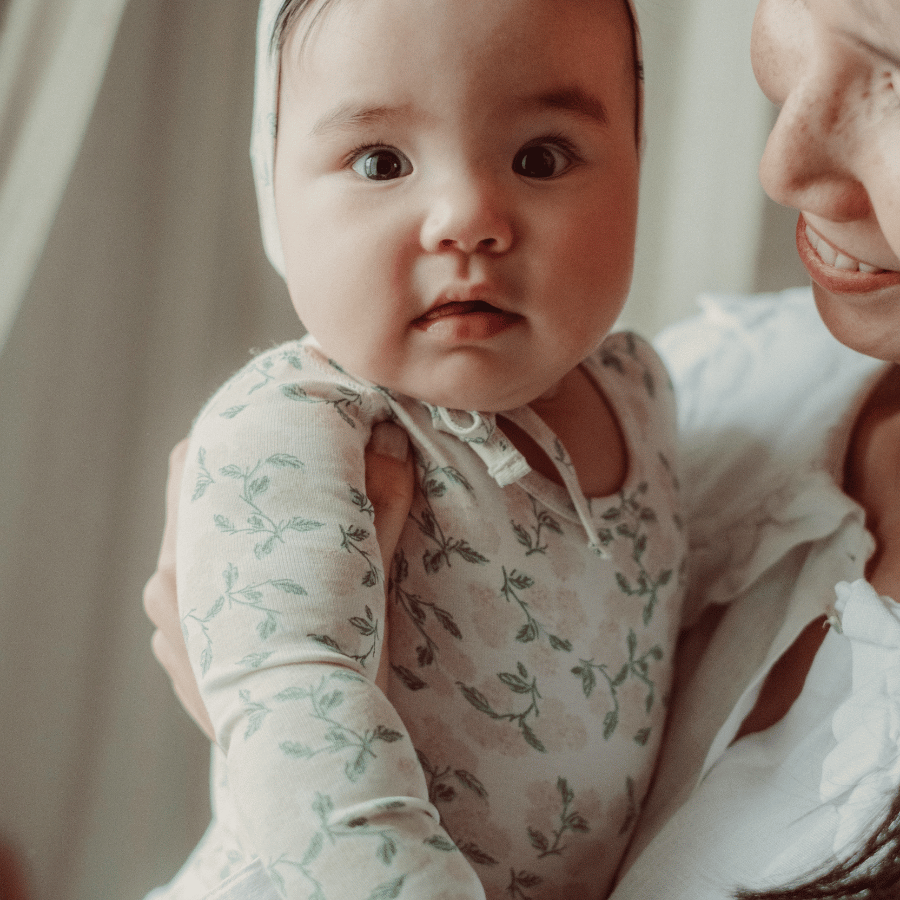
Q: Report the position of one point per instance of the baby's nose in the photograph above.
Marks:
(469, 215)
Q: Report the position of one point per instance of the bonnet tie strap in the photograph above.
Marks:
(505, 464)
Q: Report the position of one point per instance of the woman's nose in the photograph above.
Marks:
(812, 155)
(469, 214)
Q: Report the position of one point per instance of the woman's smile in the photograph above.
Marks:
(836, 271)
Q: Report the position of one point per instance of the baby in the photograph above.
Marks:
(452, 200)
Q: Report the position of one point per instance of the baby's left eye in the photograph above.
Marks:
(541, 161)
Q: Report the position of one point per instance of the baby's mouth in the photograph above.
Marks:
(465, 321)
(458, 308)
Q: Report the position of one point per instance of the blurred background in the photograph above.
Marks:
(132, 282)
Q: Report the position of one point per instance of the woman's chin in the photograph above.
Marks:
(867, 323)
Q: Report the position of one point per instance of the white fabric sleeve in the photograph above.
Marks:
(281, 593)
(708, 356)
(748, 380)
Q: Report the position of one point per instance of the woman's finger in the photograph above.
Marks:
(161, 605)
(389, 487)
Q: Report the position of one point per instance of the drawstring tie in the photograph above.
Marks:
(505, 464)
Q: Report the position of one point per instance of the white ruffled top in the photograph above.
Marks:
(862, 772)
(767, 400)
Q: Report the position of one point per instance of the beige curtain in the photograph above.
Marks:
(705, 223)
(150, 289)
(53, 54)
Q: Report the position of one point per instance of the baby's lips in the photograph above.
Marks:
(458, 308)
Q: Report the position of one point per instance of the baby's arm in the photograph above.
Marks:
(389, 487)
(283, 606)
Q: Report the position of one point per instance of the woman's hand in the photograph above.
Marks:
(389, 485)
(161, 605)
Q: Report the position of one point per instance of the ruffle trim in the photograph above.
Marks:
(862, 773)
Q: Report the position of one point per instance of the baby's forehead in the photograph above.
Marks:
(290, 16)
(594, 42)
(297, 21)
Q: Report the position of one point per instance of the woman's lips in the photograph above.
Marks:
(844, 275)
(469, 320)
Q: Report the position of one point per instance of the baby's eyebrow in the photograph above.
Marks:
(355, 115)
(574, 100)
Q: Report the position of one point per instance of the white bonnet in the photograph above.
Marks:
(265, 112)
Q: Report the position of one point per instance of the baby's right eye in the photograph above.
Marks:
(381, 163)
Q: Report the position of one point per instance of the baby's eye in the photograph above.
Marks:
(381, 164)
(541, 161)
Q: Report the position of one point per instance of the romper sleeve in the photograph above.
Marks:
(282, 599)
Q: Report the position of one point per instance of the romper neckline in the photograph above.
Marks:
(507, 465)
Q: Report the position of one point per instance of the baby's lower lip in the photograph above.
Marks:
(839, 281)
(459, 321)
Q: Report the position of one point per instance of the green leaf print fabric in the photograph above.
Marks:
(528, 674)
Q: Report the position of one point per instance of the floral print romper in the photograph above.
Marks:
(531, 635)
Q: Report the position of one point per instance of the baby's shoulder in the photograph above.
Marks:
(297, 380)
(630, 354)
(627, 366)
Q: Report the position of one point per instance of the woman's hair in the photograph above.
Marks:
(871, 873)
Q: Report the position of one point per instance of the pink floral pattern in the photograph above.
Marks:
(528, 671)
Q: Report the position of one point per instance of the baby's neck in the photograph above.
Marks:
(580, 416)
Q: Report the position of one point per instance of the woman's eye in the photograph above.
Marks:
(540, 161)
(382, 164)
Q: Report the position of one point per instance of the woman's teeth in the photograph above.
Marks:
(839, 260)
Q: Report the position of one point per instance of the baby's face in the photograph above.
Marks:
(456, 188)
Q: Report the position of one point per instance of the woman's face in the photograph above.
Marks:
(833, 68)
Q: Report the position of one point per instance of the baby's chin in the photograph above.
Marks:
(467, 399)
(494, 397)
(457, 391)
(475, 382)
